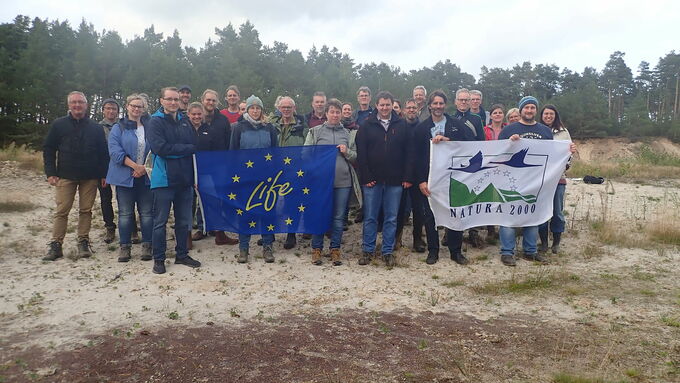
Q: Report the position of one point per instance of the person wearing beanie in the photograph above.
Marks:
(525, 128)
(252, 131)
(111, 114)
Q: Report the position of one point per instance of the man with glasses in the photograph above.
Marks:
(173, 142)
(364, 109)
(476, 106)
(76, 158)
(110, 111)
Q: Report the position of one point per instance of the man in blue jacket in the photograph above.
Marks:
(76, 158)
(173, 142)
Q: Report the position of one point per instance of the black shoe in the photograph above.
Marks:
(54, 252)
(290, 241)
(459, 258)
(419, 246)
(84, 250)
(535, 258)
(543, 247)
(508, 260)
(187, 261)
(110, 234)
(389, 260)
(557, 237)
(432, 257)
(365, 258)
(159, 267)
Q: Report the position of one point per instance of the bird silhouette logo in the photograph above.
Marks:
(474, 165)
(516, 161)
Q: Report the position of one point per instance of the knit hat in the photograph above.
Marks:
(184, 87)
(253, 100)
(526, 100)
(110, 101)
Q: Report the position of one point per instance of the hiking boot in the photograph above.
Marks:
(290, 241)
(158, 267)
(135, 237)
(54, 252)
(268, 253)
(146, 251)
(221, 238)
(475, 239)
(508, 260)
(432, 257)
(543, 247)
(187, 261)
(197, 236)
(242, 256)
(419, 245)
(336, 257)
(535, 257)
(557, 237)
(389, 260)
(365, 258)
(110, 234)
(316, 257)
(125, 253)
(459, 258)
(84, 250)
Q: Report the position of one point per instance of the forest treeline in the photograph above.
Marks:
(42, 60)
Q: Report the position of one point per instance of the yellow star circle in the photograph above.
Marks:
(239, 211)
(301, 208)
(231, 196)
(251, 223)
(270, 227)
(287, 160)
(300, 173)
(289, 221)
(268, 157)
(236, 178)
(305, 190)
(249, 164)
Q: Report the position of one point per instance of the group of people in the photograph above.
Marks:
(382, 166)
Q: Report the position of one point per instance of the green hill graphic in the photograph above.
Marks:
(460, 195)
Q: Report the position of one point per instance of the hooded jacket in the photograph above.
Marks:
(172, 143)
(75, 149)
(245, 135)
(384, 156)
(292, 135)
(122, 144)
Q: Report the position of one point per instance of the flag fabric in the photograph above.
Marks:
(507, 183)
(267, 191)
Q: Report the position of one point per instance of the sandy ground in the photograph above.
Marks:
(47, 308)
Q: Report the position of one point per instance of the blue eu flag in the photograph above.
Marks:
(267, 191)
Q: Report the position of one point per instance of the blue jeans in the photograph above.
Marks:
(244, 240)
(529, 236)
(557, 222)
(386, 197)
(340, 197)
(179, 197)
(141, 195)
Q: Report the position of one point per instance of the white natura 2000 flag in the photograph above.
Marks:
(507, 183)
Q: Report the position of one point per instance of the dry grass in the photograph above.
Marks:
(521, 284)
(665, 230)
(16, 206)
(646, 165)
(27, 158)
(618, 234)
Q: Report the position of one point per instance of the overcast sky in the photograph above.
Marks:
(408, 34)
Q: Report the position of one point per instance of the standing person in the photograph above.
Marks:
(436, 128)
(477, 108)
(317, 116)
(76, 159)
(492, 130)
(332, 132)
(526, 128)
(110, 111)
(232, 96)
(215, 135)
(128, 149)
(396, 105)
(292, 132)
(242, 108)
(384, 157)
(420, 95)
(172, 143)
(252, 131)
(512, 115)
(364, 109)
(184, 98)
(347, 120)
(550, 117)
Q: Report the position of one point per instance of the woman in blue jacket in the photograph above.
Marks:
(128, 150)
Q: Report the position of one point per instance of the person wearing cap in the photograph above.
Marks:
(525, 128)
(111, 112)
(253, 131)
(184, 98)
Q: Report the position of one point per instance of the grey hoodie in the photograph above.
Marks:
(326, 134)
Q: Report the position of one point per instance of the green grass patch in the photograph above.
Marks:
(517, 284)
(566, 378)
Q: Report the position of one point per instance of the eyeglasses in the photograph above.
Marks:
(169, 99)
(463, 99)
(136, 106)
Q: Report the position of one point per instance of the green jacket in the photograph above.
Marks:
(290, 134)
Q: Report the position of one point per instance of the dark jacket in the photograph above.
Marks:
(75, 149)
(359, 116)
(215, 135)
(384, 156)
(473, 121)
(454, 129)
(173, 142)
(291, 136)
(311, 120)
(245, 135)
